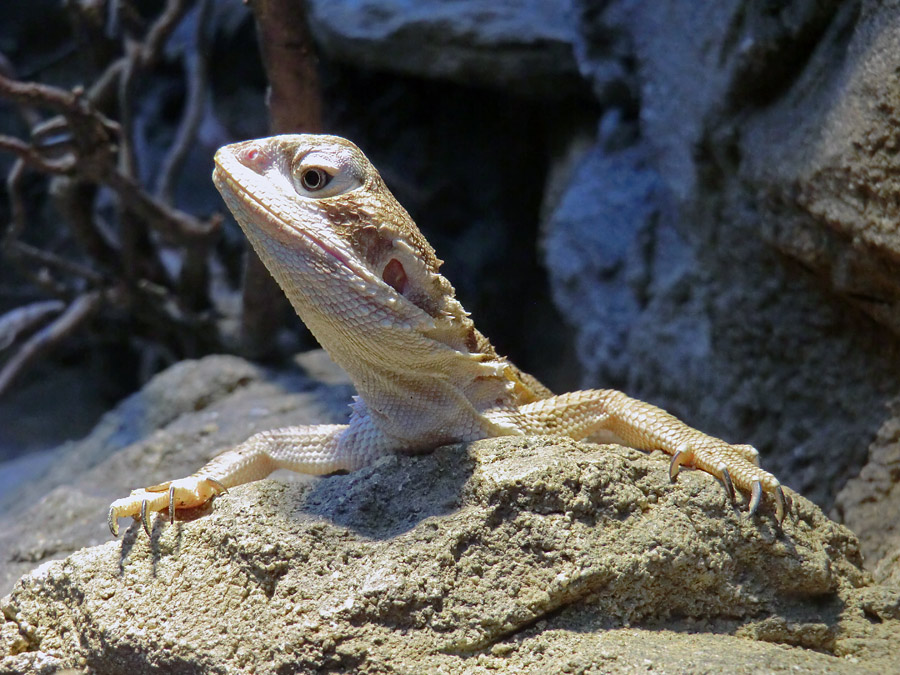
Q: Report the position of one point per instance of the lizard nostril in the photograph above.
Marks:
(252, 157)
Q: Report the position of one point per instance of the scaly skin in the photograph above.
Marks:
(366, 282)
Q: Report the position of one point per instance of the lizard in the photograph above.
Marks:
(366, 282)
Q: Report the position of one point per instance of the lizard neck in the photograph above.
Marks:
(415, 375)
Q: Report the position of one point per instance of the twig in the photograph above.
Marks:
(52, 260)
(127, 160)
(162, 28)
(167, 221)
(196, 63)
(23, 319)
(16, 202)
(28, 154)
(76, 314)
(74, 200)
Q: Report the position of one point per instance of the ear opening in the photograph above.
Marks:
(395, 276)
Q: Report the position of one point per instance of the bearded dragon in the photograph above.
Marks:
(365, 281)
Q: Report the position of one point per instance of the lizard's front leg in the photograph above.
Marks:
(640, 425)
(316, 450)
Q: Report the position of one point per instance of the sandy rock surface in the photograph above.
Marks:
(516, 553)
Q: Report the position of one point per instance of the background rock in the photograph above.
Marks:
(870, 503)
(523, 46)
(713, 263)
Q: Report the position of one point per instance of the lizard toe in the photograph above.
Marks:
(185, 493)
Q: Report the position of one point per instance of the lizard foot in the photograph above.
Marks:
(184, 493)
(736, 466)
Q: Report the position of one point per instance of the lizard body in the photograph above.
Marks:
(366, 282)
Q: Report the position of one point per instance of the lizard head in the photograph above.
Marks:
(340, 245)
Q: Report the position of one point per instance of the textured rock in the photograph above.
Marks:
(823, 160)
(436, 559)
(521, 45)
(667, 253)
(178, 421)
(870, 503)
(529, 555)
(711, 325)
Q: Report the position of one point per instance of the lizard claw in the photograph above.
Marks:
(780, 503)
(185, 493)
(755, 497)
(683, 455)
(144, 517)
(736, 466)
(782, 500)
(221, 488)
(728, 485)
(112, 521)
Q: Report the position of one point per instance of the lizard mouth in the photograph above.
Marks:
(266, 218)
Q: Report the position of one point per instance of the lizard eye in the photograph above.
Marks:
(320, 174)
(314, 179)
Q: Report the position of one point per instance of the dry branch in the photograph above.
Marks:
(87, 147)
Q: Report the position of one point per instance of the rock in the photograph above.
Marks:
(821, 159)
(870, 503)
(515, 554)
(683, 258)
(520, 45)
(178, 421)
(495, 551)
(709, 324)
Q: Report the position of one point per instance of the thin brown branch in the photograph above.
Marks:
(29, 115)
(52, 260)
(36, 94)
(81, 309)
(74, 200)
(162, 28)
(73, 105)
(18, 214)
(167, 221)
(127, 159)
(25, 318)
(30, 155)
(196, 62)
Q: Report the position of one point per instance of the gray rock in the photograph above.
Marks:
(521, 45)
(668, 255)
(822, 159)
(870, 503)
(712, 326)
